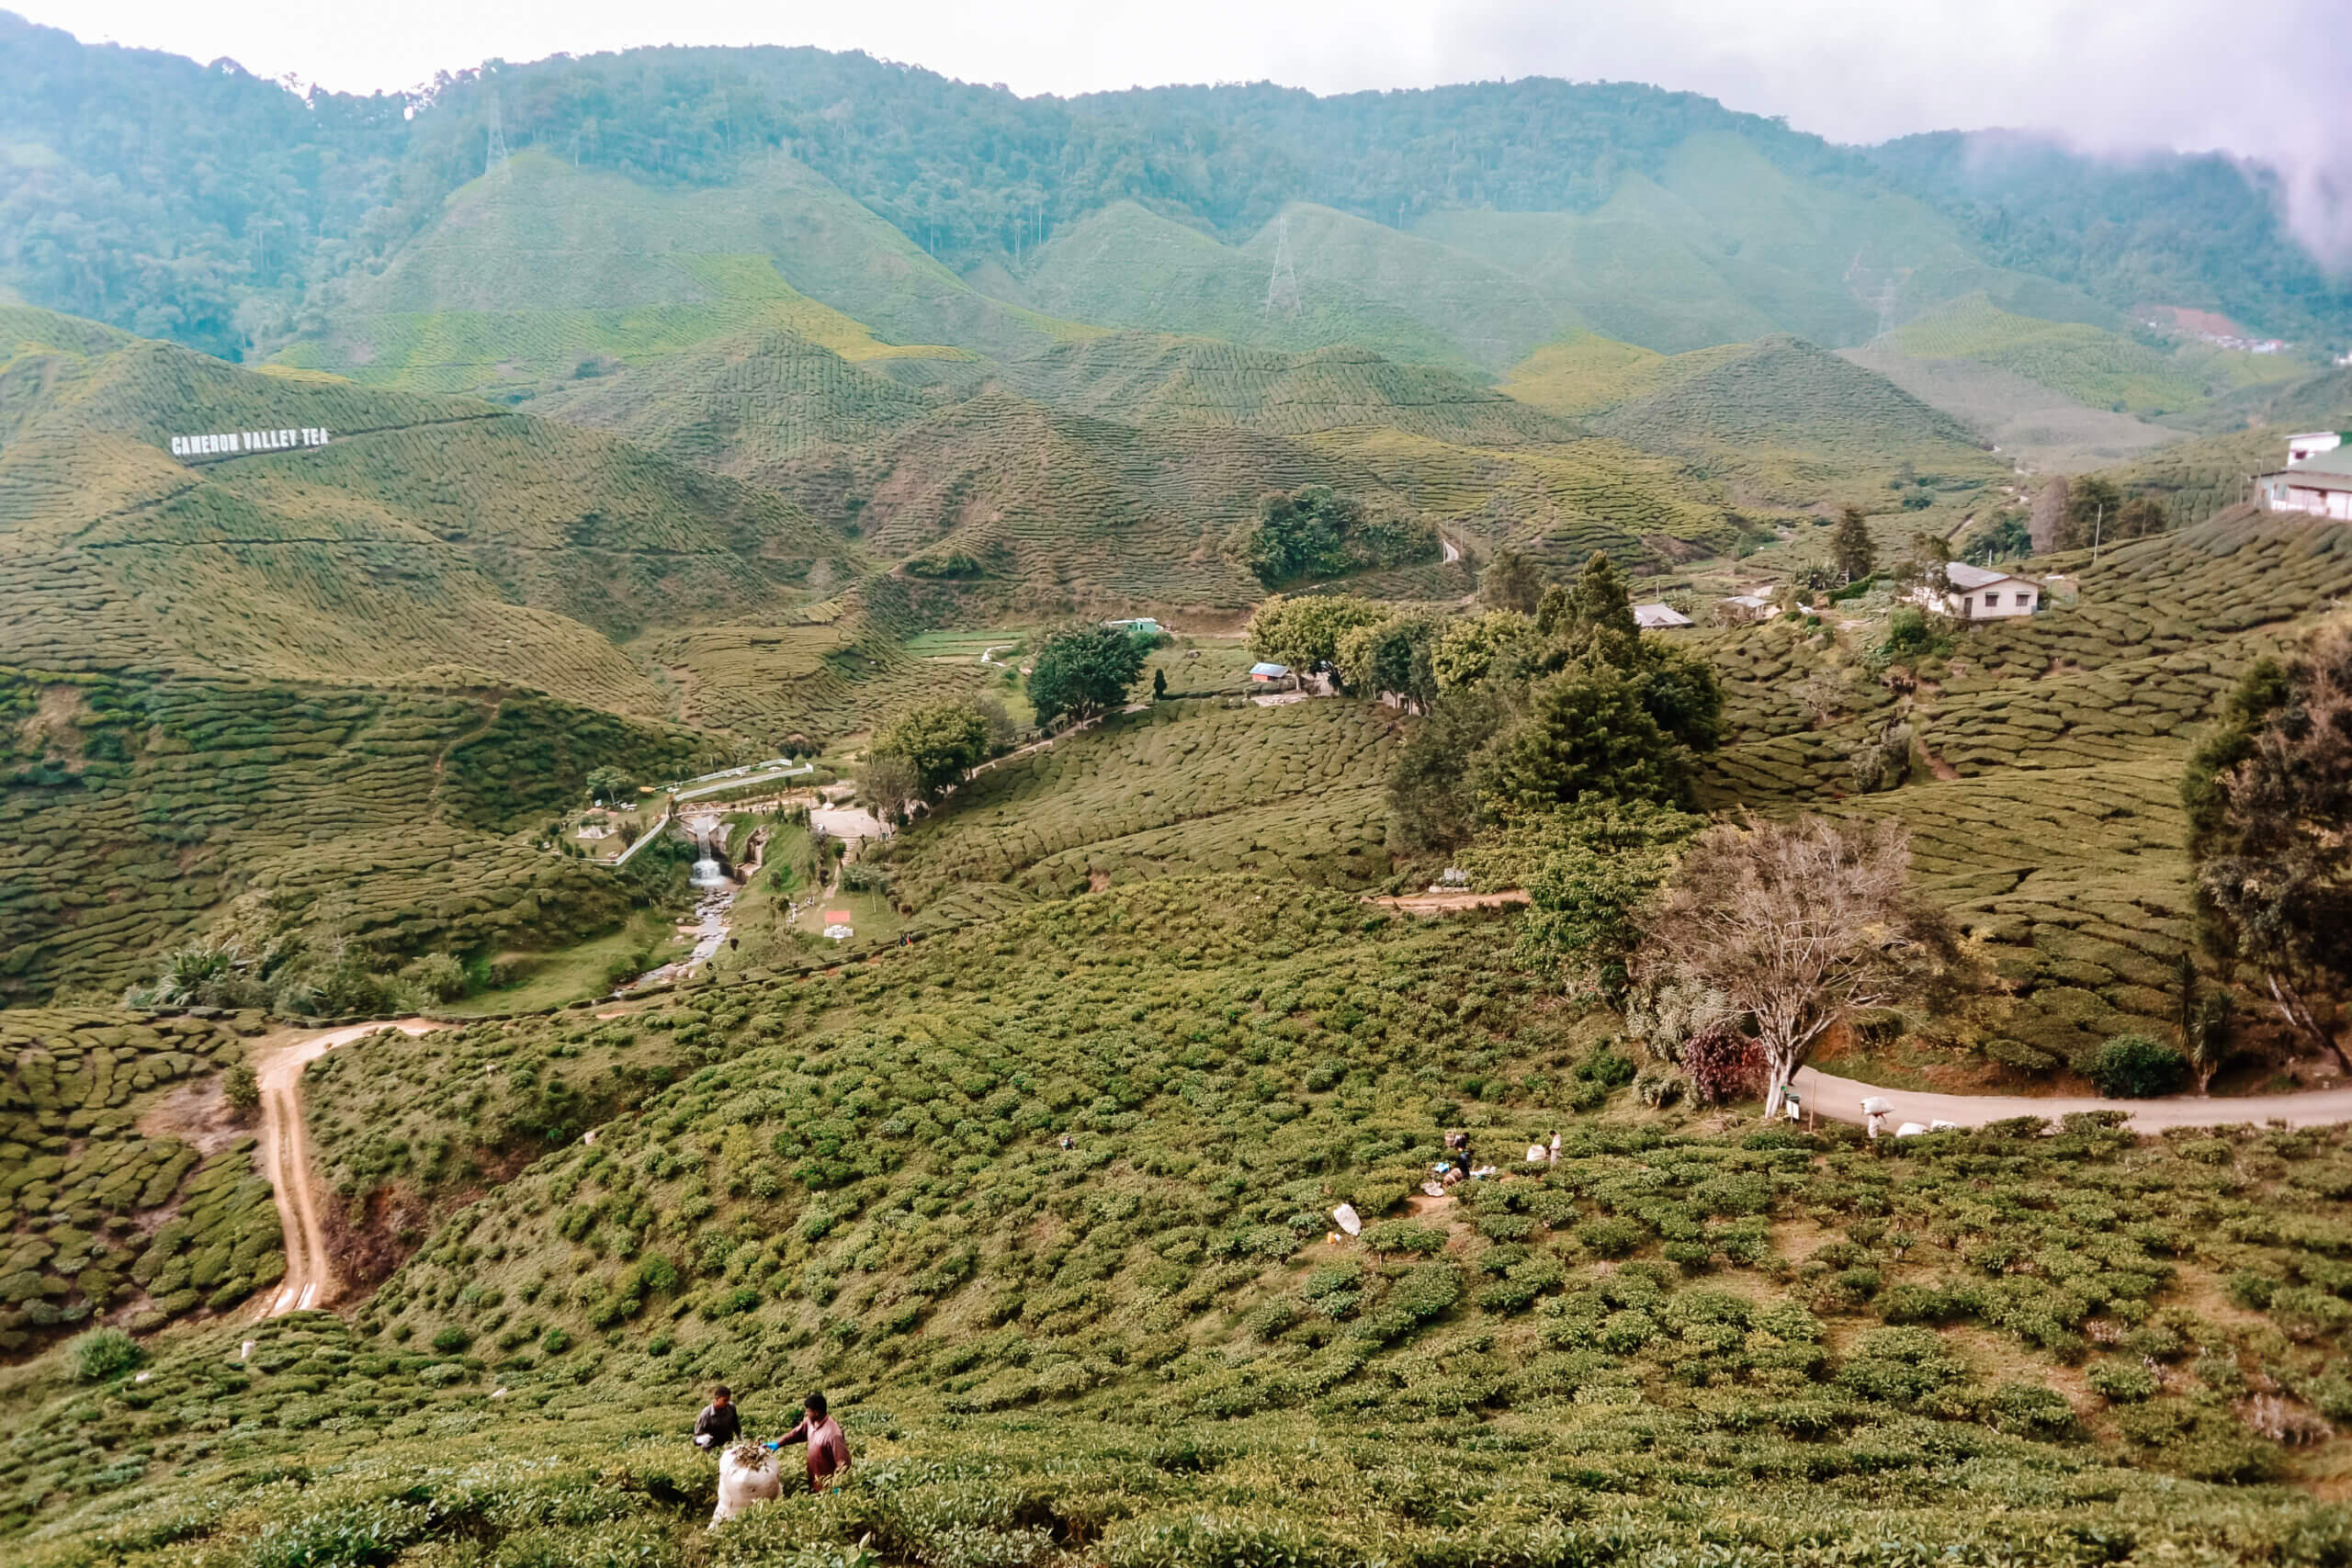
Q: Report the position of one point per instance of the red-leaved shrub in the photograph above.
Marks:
(1723, 1064)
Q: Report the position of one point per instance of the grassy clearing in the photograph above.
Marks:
(553, 977)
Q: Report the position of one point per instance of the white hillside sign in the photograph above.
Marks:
(236, 443)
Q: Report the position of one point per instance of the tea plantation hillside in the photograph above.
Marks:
(1781, 421)
(1189, 787)
(2091, 364)
(395, 821)
(759, 406)
(833, 669)
(1717, 245)
(1147, 379)
(429, 532)
(1112, 471)
(534, 272)
(1125, 267)
(2044, 796)
(1046, 1207)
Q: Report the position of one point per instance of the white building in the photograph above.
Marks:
(1979, 593)
(2316, 479)
(1653, 617)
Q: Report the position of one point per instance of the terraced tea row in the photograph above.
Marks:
(131, 812)
(1185, 783)
(98, 1215)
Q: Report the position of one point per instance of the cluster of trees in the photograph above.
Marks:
(1316, 532)
(1558, 750)
(1077, 672)
(927, 750)
(1526, 711)
(2267, 795)
(2077, 513)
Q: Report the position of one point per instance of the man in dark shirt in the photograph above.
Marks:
(719, 1425)
(827, 1449)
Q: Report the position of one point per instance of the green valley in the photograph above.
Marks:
(1526, 824)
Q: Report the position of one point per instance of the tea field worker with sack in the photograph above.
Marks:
(827, 1449)
(719, 1424)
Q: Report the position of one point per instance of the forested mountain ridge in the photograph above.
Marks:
(203, 204)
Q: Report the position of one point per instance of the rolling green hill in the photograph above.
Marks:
(1781, 421)
(538, 270)
(430, 532)
(390, 822)
(1125, 267)
(1494, 316)
(2094, 366)
(1775, 422)
(1147, 380)
(757, 406)
(1044, 1206)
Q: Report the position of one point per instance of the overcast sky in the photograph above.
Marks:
(2270, 79)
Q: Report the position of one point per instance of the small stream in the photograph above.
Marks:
(714, 912)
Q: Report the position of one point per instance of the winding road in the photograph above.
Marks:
(1840, 1100)
(286, 1159)
(310, 1280)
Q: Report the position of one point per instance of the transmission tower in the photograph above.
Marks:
(1282, 288)
(495, 158)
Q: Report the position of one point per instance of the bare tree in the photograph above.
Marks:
(886, 784)
(1800, 924)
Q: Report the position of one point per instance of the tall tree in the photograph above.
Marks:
(939, 741)
(1502, 644)
(1511, 582)
(1432, 803)
(1305, 631)
(2092, 505)
(1589, 871)
(2047, 525)
(2269, 799)
(1391, 657)
(1585, 732)
(1594, 618)
(1857, 556)
(1802, 924)
(1081, 672)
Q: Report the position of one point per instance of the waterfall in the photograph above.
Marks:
(706, 871)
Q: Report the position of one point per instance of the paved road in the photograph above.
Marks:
(285, 1158)
(1840, 1100)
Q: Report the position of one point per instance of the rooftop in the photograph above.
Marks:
(2321, 470)
(1965, 577)
(1659, 615)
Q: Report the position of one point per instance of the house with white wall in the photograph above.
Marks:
(2317, 478)
(1979, 593)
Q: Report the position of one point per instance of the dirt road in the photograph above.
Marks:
(1438, 903)
(285, 1158)
(1840, 1100)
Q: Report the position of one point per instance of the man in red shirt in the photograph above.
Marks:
(828, 1449)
